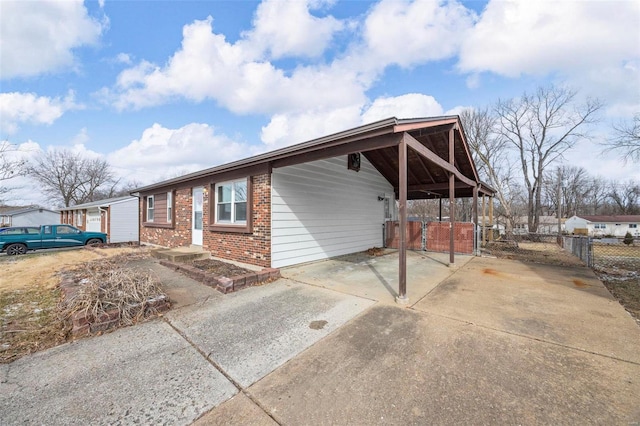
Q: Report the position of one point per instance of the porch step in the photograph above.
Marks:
(181, 254)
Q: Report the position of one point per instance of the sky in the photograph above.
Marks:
(163, 88)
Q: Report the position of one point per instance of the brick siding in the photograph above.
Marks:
(253, 248)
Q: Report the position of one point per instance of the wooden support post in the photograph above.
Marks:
(440, 213)
(474, 208)
(491, 218)
(484, 219)
(452, 201)
(402, 244)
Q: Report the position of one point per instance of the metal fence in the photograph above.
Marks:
(581, 247)
(614, 253)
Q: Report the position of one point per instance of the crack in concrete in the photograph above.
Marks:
(218, 367)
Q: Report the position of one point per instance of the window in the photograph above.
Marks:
(79, 217)
(64, 229)
(169, 206)
(599, 226)
(231, 202)
(633, 225)
(150, 206)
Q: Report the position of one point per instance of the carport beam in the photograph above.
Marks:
(402, 244)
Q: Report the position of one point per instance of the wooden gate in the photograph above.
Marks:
(414, 235)
(438, 237)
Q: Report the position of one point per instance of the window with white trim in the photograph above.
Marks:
(169, 206)
(79, 218)
(150, 208)
(633, 225)
(599, 226)
(231, 202)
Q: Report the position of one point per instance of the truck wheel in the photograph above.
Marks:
(15, 249)
(94, 241)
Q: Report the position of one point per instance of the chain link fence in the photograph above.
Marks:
(615, 253)
(529, 247)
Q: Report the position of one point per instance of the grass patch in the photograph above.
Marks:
(30, 318)
(29, 322)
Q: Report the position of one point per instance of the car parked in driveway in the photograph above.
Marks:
(19, 239)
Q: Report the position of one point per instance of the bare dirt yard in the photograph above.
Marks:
(30, 317)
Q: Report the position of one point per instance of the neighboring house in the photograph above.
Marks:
(546, 225)
(318, 199)
(116, 217)
(29, 216)
(601, 225)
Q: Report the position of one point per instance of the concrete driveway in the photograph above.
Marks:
(493, 341)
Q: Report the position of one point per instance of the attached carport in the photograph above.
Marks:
(425, 158)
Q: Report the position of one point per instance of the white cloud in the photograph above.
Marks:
(536, 37)
(286, 28)
(290, 128)
(412, 32)
(124, 58)
(17, 108)
(240, 77)
(208, 67)
(411, 105)
(161, 152)
(39, 37)
(590, 45)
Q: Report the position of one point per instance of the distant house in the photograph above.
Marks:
(601, 225)
(29, 216)
(116, 217)
(546, 225)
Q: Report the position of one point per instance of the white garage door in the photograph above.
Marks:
(93, 221)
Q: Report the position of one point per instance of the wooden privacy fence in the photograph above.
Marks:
(432, 236)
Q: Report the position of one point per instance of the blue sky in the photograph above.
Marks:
(161, 88)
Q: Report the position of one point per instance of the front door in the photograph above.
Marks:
(196, 219)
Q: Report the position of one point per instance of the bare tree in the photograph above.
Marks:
(625, 197)
(626, 140)
(11, 165)
(69, 178)
(491, 156)
(541, 127)
(575, 186)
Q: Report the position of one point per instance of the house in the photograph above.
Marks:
(546, 225)
(117, 217)
(315, 200)
(604, 225)
(29, 216)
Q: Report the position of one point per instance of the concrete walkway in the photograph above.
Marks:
(493, 341)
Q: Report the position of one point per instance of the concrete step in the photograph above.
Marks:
(181, 254)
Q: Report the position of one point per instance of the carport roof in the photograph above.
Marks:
(427, 172)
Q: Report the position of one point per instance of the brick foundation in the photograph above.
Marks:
(224, 284)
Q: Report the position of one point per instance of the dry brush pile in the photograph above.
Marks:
(107, 290)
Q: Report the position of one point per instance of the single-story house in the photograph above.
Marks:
(546, 225)
(315, 200)
(601, 225)
(29, 216)
(116, 217)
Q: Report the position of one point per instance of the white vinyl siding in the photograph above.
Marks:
(321, 209)
(123, 221)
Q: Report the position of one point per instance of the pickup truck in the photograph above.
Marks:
(18, 239)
